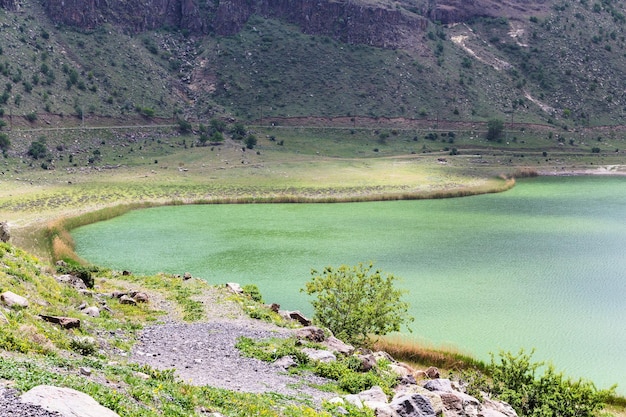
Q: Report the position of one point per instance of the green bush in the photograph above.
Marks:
(357, 302)
(515, 379)
(253, 292)
(82, 272)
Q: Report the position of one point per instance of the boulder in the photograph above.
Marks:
(125, 299)
(141, 297)
(413, 405)
(234, 287)
(12, 300)
(92, 311)
(72, 281)
(65, 322)
(367, 362)
(458, 404)
(337, 346)
(312, 333)
(440, 384)
(491, 407)
(65, 401)
(401, 369)
(433, 397)
(374, 394)
(432, 372)
(319, 355)
(297, 316)
(285, 362)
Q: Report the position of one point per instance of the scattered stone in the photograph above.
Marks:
(319, 355)
(118, 294)
(141, 297)
(187, 276)
(12, 300)
(234, 288)
(274, 307)
(82, 306)
(126, 273)
(440, 384)
(383, 356)
(337, 346)
(65, 401)
(286, 362)
(92, 311)
(84, 371)
(61, 263)
(312, 333)
(125, 299)
(401, 369)
(354, 400)
(495, 406)
(64, 322)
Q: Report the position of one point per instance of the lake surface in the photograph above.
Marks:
(541, 266)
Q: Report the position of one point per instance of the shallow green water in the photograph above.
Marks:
(541, 266)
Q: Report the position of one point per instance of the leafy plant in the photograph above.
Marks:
(356, 302)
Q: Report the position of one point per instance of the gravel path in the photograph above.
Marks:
(205, 354)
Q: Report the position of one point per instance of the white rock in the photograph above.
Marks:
(10, 299)
(66, 401)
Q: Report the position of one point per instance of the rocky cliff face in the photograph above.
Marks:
(346, 21)
(455, 11)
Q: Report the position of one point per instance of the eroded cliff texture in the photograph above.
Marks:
(351, 22)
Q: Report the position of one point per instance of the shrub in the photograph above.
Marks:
(356, 302)
(253, 292)
(82, 272)
(495, 128)
(514, 380)
(38, 149)
(5, 143)
(250, 141)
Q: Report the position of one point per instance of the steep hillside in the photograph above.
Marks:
(541, 62)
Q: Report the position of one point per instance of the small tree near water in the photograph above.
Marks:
(355, 302)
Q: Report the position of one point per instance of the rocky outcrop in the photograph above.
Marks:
(455, 11)
(5, 234)
(350, 22)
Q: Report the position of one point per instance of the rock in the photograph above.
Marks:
(234, 288)
(432, 372)
(354, 400)
(374, 394)
(141, 297)
(312, 333)
(274, 307)
(337, 346)
(285, 362)
(299, 317)
(142, 375)
(433, 397)
(12, 300)
(367, 362)
(84, 371)
(414, 405)
(401, 369)
(72, 281)
(125, 299)
(187, 276)
(408, 380)
(67, 402)
(61, 263)
(5, 234)
(92, 311)
(500, 407)
(383, 356)
(319, 355)
(126, 273)
(440, 384)
(65, 322)
(118, 294)
(380, 409)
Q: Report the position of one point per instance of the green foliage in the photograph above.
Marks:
(5, 143)
(357, 302)
(253, 292)
(250, 141)
(184, 126)
(516, 380)
(38, 149)
(84, 345)
(238, 131)
(495, 129)
(271, 349)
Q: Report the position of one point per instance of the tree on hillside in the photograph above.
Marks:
(355, 302)
(5, 143)
(38, 149)
(238, 131)
(495, 129)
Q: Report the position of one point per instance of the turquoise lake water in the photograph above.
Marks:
(541, 266)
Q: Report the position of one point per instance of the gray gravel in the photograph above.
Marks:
(11, 406)
(205, 354)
